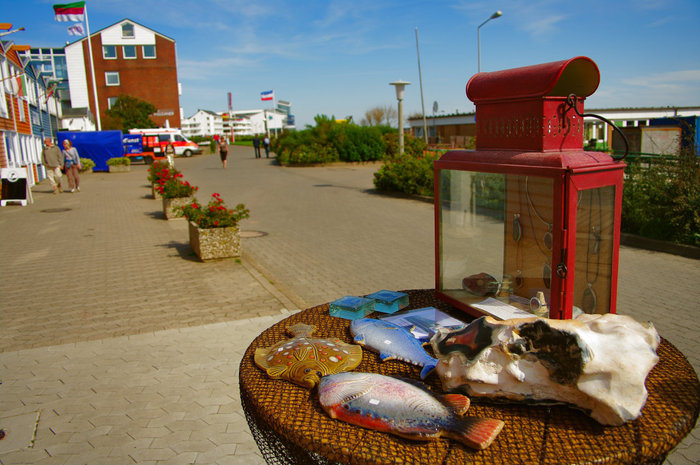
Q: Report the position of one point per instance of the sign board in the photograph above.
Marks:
(14, 186)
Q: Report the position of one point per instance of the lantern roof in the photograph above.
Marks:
(578, 75)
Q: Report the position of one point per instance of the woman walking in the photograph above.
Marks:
(223, 150)
(72, 165)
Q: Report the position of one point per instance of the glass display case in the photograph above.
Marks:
(528, 224)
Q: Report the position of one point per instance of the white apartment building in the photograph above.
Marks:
(202, 123)
(242, 122)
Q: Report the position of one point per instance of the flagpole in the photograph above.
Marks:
(92, 71)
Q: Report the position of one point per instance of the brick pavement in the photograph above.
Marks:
(149, 339)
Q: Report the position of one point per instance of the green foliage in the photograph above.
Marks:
(174, 187)
(214, 215)
(130, 112)
(86, 164)
(411, 145)
(662, 200)
(410, 173)
(489, 194)
(119, 161)
(329, 141)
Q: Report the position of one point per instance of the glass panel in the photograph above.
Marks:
(60, 68)
(109, 51)
(595, 216)
(129, 51)
(127, 30)
(496, 239)
(149, 51)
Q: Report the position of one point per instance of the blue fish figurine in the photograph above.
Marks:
(392, 342)
(405, 409)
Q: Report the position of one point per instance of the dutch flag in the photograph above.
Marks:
(267, 95)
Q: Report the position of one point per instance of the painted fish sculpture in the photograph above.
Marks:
(303, 359)
(392, 342)
(408, 410)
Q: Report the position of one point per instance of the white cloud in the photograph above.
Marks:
(667, 79)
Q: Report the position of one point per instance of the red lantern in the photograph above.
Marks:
(529, 222)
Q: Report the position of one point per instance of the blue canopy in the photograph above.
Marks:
(99, 146)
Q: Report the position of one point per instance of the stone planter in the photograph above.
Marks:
(169, 204)
(156, 195)
(214, 243)
(119, 168)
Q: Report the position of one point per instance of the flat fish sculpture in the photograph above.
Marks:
(408, 410)
(598, 363)
(303, 359)
(392, 342)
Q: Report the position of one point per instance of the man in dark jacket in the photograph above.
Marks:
(52, 158)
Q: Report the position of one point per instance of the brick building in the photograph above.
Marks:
(129, 59)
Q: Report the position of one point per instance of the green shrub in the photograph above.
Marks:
(119, 161)
(662, 201)
(409, 173)
(86, 164)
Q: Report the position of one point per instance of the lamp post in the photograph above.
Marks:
(400, 85)
(495, 15)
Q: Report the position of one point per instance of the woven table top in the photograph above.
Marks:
(288, 421)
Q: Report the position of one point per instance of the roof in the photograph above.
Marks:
(120, 22)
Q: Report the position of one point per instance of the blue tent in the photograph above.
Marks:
(99, 146)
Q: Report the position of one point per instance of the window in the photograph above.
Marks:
(149, 51)
(112, 78)
(129, 51)
(109, 52)
(36, 120)
(128, 30)
(20, 108)
(111, 101)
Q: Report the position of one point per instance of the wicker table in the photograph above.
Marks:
(290, 426)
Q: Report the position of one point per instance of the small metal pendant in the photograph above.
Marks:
(596, 244)
(517, 228)
(519, 279)
(547, 275)
(548, 240)
(590, 300)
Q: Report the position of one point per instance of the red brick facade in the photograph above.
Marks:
(151, 80)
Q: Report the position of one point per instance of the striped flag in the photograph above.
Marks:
(70, 12)
(267, 95)
(76, 30)
(18, 85)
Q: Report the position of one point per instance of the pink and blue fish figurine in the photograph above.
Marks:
(392, 342)
(408, 410)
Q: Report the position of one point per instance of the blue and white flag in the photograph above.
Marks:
(76, 30)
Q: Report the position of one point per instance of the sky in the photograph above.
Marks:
(337, 57)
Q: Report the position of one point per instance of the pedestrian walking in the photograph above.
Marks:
(223, 150)
(71, 162)
(52, 157)
(256, 146)
(266, 142)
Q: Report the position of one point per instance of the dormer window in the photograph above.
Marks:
(128, 30)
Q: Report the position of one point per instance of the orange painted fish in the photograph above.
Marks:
(405, 409)
(303, 359)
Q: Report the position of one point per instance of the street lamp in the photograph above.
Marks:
(496, 14)
(400, 85)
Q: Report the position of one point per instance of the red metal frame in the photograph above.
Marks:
(525, 127)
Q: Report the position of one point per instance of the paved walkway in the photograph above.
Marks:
(127, 347)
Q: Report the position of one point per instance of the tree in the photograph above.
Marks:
(130, 112)
(380, 115)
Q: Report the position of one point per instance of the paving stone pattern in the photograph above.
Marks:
(129, 346)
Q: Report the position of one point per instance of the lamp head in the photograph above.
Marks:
(399, 85)
(496, 14)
